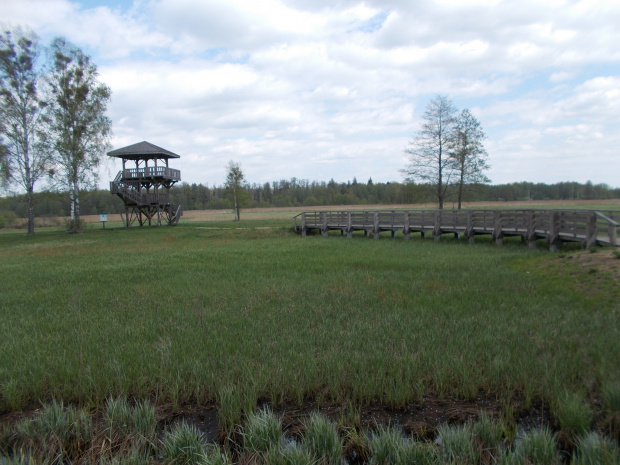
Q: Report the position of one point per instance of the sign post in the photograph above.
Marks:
(103, 218)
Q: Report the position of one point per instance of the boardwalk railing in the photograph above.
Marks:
(556, 226)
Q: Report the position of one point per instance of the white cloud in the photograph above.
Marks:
(334, 89)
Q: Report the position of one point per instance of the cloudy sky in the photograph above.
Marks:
(322, 89)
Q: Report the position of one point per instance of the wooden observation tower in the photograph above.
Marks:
(144, 184)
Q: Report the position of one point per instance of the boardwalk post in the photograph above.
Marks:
(393, 224)
(531, 230)
(469, 231)
(324, 230)
(303, 225)
(554, 238)
(613, 235)
(376, 224)
(437, 228)
(497, 232)
(590, 240)
(349, 225)
(406, 226)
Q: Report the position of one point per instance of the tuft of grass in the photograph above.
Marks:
(130, 429)
(293, 455)
(420, 453)
(21, 457)
(134, 456)
(56, 431)
(144, 421)
(386, 446)
(355, 444)
(262, 431)
(182, 444)
(458, 444)
(573, 415)
(594, 449)
(213, 456)
(118, 419)
(322, 441)
(488, 435)
(536, 446)
(230, 407)
(611, 397)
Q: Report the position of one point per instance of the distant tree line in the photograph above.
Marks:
(303, 193)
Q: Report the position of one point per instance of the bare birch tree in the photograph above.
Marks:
(428, 151)
(25, 159)
(469, 153)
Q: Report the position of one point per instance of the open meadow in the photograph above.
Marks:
(212, 319)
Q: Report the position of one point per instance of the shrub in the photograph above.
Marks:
(73, 226)
(7, 218)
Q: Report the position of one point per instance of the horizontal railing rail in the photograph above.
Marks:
(151, 172)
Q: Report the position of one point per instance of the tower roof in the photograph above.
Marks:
(141, 150)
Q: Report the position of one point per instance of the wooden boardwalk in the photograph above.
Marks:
(555, 226)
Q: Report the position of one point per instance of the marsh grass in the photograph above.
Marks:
(233, 315)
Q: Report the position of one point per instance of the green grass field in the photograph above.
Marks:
(229, 313)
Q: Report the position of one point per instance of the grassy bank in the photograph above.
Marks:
(209, 313)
